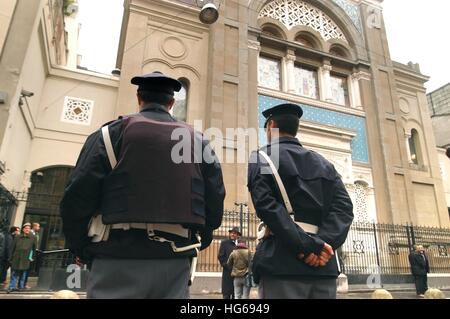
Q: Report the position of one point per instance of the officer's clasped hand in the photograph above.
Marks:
(318, 261)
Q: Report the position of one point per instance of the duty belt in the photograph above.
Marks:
(100, 232)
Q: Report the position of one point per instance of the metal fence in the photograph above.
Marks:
(386, 247)
(369, 248)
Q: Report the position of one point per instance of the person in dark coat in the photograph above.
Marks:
(3, 252)
(134, 213)
(420, 267)
(9, 239)
(225, 250)
(297, 257)
(22, 254)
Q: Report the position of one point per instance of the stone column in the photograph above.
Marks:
(325, 83)
(289, 75)
(354, 90)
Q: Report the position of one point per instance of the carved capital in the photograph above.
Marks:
(327, 67)
(254, 45)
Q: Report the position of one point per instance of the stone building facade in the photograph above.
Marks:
(439, 105)
(364, 112)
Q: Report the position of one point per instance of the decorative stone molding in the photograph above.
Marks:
(373, 18)
(362, 76)
(173, 48)
(254, 45)
(295, 12)
(363, 174)
(404, 106)
(327, 67)
(291, 58)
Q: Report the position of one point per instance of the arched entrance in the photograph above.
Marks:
(44, 196)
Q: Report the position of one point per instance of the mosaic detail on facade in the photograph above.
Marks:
(352, 10)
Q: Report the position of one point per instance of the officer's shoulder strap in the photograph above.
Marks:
(108, 145)
(120, 118)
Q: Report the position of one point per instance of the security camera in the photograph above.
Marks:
(209, 13)
(116, 72)
(27, 93)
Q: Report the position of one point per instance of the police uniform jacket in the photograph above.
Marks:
(318, 197)
(82, 200)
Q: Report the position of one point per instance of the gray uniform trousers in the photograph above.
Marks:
(139, 279)
(272, 287)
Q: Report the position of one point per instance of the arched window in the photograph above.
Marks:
(272, 31)
(414, 147)
(339, 51)
(307, 41)
(179, 110)
(361, 202)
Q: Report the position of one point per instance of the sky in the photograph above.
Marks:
(417, 31)
(101, 21)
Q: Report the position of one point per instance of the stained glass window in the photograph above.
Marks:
(269, 73)
(306, 82)
(339, 90)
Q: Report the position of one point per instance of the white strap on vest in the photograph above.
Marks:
(97, 230)
(280, 184)
(108, 145)
(313, 229)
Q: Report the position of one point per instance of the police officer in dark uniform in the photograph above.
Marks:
(297, 258)
(136, 212)
(226, 248)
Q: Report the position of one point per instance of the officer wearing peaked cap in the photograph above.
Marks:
(305, 207)
(133, 213)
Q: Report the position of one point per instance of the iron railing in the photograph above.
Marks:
(369, 248)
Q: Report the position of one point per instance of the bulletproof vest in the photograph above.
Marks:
(147, 185)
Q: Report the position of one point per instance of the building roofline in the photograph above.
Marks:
(438, 89)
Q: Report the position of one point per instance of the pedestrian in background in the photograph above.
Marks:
(239, 263)
(22, 254)
(9, 238)
(420, 267)
(226, 248)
